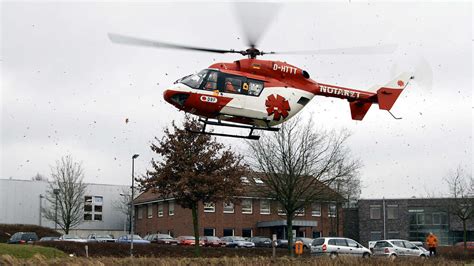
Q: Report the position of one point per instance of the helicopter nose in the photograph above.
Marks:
(167, 95)
(176, 98)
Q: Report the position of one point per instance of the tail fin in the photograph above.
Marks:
(388, 94)
(385, 97)
(359, 109)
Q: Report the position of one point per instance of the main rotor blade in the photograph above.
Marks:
(254, 19)
(361, 50)
(122, 39)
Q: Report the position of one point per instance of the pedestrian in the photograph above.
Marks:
(432, 243)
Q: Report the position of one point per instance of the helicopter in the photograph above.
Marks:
(259, 94)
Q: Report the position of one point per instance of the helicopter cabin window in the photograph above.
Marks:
(254, 87)
(232, 85)
(195, 81)
(211, 82)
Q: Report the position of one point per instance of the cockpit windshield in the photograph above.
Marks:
(194, 81)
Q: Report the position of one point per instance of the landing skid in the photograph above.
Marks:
(206, 122)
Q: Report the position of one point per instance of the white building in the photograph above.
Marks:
(21, 201)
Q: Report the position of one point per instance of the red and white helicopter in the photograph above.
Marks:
(260, 94)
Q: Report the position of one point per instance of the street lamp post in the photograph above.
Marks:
(56, 193)
(132, 213)
(41, 208)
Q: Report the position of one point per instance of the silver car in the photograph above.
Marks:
(394, 248)
(336, 246)
(237, 242)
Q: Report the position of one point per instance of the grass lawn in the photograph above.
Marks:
(28, 251)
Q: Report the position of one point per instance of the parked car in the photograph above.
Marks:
(261, 241)
(188, 241)
(128, 239)
(282, 243)
(237, 242)
(100, 238)
(469, 244)
(335, 246)
(162, 239)
(212, 241)
(49, 238)
(307, 242)
(23, 238)
(371, 245)
(417, 243)
(424, 250)
(72, 238)
(394, 248)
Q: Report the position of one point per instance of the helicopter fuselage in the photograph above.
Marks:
(266, 93)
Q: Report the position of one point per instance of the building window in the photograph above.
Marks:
(209, 207)
(315, 209)
(332, 210)
(264, 207)
(228, 232)
(209, 232)
(420, 218)
(93, 208)
(280, 210)
(160, 209)
(300, 212)
(228, 207)
(247, 232)
(316, 234)
(247, 206)
(439, 218)
(375, 235)
(171, 208)
(392, 212)
(375, 212)
(140, 212)
(149, 212)
(393, 235)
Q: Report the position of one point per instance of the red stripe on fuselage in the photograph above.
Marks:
(199, 104)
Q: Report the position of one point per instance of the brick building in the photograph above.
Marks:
(410, 219)
(248, 216)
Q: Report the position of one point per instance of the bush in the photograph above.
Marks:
(282, 261)
(7, 230)
(154, 250)
(455, 253)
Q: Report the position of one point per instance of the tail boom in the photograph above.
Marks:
(361, 101)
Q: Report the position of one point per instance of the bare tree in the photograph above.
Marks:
(461, 192)
(124, 206)
(39, 177)
(299, 163)
(349, 188)
(66, 205)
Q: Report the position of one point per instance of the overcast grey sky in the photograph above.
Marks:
(66, 89)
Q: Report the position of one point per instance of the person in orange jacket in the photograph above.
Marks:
(432, 243)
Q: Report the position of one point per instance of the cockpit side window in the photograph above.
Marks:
(254, 87)
(211, 82)
(195, 81)
(232, 85)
